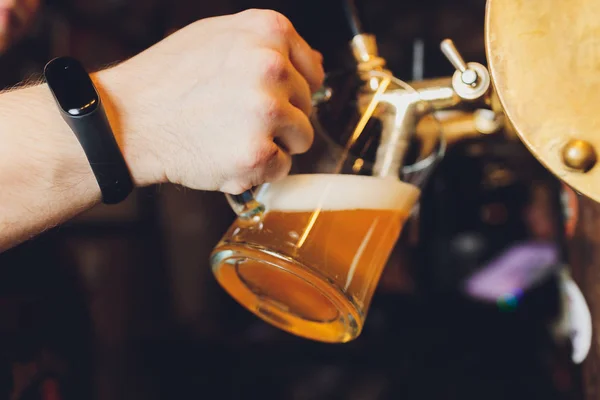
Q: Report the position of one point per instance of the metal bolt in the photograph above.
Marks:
(579, 155)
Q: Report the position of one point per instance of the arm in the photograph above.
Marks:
(45, 177)
(202, 108)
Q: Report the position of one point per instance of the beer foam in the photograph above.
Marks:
(330, 192)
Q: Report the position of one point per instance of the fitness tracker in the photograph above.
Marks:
(81, 108)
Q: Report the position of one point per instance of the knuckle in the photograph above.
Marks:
(270, 109)
(274, 65)
(249, 12)
(261, 156)
(253, 15)
(276, 23)
(268, 22)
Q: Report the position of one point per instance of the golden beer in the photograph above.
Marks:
(311, 265)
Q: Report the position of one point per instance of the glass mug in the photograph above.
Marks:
(305, 253)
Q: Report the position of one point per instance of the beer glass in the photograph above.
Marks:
(305, 253)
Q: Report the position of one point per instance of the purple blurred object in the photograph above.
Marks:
(514, 271)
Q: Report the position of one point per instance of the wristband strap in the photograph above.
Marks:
(81, 108)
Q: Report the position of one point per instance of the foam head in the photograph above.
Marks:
(330, 192)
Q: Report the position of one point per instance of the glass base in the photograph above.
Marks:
(286, 293)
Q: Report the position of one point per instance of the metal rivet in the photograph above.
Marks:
(579, 155)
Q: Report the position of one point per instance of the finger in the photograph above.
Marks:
(278, 33)
(277, 168)
(272, 164)
(294, 133)
(299, 91)
(308, 62)
(281, 77)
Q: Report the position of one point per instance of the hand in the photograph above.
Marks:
(218, 105)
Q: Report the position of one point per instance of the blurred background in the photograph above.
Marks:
(120, 303)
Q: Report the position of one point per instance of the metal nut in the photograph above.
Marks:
(579, 155)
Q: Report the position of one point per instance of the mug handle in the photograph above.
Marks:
(245, 205)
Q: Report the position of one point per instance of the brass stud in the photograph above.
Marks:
(579, 155)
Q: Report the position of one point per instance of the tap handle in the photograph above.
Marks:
(471, 80)
(449, 49)
(468, 75)
(352, 16)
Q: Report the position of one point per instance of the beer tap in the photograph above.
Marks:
(469, 87)
(400, 107)
(363, 45)
(394, 108)
(471, 81)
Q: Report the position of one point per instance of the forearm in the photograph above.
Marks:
(184, 111)
(45, 177)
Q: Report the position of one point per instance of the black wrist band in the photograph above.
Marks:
(81, 107)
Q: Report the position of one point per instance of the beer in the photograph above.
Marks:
(312, 264)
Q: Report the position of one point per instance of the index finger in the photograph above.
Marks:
(278, 33)
(307, 61)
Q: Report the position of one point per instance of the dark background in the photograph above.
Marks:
(120, 303)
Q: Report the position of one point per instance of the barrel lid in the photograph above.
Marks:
(544, 59)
